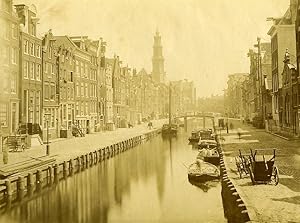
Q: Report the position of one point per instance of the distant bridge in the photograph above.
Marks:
(196, 114)
(203, 115)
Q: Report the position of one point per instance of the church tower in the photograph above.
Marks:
(158, 70)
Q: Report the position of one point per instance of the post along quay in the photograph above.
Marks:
(149, 111)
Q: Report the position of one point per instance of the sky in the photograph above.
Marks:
(203, 41)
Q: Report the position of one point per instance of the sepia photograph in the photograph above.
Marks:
(149, 111)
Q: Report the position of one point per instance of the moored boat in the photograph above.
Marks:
(208, 143)
(195, 136)
(202, 171)
(169, 129)
(210, 155)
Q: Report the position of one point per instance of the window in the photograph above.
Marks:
(26, 46)
(52, 68)
(71, 76)
(7, 29)
(13, 83)
(86, 71)
(14, 55)
(50, 52)
(46, 93)
(86, 90)
(26, 69)
(49, 69)
(68, 93)
(77, 67)
(14, 31)
(31, 49)
(52, 92)
(77, 108)
(3, 114)
(38, 72)
(5, 82)
(6, 55)
(77, 90)
(32, 69)
(81, 69)
(82, 90)
(38, 51)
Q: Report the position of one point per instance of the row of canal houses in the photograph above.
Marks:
(269, 96)
(50, 83)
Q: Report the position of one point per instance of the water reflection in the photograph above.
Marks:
(204, 186)
(145, 184)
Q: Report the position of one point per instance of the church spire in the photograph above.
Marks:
(158, 71)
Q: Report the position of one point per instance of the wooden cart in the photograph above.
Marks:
(262, 169)
(16, 143)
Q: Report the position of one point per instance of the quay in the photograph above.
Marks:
(67, 157)
(261, 202)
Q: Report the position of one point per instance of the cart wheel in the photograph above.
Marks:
(23, 147)
(275, 175)
(238, 165)
(251, 175)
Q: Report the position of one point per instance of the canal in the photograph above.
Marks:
(145, 184)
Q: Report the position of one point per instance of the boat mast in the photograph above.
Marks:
(170, 101)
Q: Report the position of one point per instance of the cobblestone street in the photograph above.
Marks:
(268, 203)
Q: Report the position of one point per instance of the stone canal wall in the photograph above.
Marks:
(235, 209)
(22, 186)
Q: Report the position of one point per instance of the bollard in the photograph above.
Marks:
(91, 159)
(8, 187)
(39, 180)
(64, 165)
(30, 183)
(239, 201)
(49, 175)
(55, 169)
(111, 151)
(103, 154)
(78, 164)
(82, 161)
(86, 158)
(71, 167)
(245, 216)
(242, 207)
(100, 157)
(20, 188)
(95, 157)
(107, 152)
(119, 147)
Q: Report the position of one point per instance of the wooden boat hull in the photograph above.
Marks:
(202, 171)
(202, 177)
(212, 159)
(194, 140)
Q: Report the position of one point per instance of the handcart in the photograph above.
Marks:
(262, 168)
(242, 162)
(16, 143)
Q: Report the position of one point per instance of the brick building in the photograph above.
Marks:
(30, 72)
(9, 68)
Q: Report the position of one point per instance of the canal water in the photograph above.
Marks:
(145, 184)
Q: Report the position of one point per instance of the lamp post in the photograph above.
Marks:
(47, 115)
